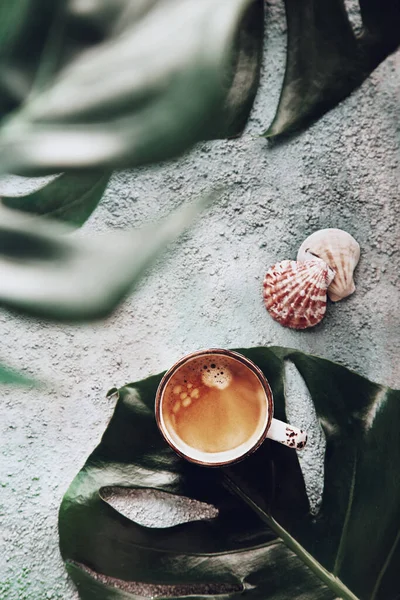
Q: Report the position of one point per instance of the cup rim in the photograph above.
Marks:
(231, 354)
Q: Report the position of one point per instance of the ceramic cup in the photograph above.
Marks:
(215, 407)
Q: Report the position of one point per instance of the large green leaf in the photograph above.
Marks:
(45, 273)
(146, 81)
(326, 61)
(70, 198)
(264, 543)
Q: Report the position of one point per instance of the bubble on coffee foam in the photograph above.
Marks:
(216, 374)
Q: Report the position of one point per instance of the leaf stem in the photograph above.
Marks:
(333, 582)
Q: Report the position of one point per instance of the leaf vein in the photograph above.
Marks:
(331, 581)
(343, 537)
(385, 566)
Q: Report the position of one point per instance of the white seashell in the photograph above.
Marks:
(340, 251)
(295, 292)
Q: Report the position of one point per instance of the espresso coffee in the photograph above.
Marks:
(214, 403)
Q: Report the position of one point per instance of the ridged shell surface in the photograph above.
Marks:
(340, 251)
(295, 292)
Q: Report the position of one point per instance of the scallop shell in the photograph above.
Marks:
(340, 251)
(295, 292)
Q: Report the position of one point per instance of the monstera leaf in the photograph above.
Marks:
(121, 84)
(326, 59)
(263, 542)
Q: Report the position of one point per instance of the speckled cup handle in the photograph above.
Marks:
(286, 434)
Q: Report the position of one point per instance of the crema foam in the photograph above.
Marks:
(213, 404)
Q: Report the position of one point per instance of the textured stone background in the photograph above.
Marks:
(343, 172)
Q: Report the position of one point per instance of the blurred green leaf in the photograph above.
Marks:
(25, 27)
(70, 198)
(264, 544)
(9, 376)
(153, 79)
(326, 61)
(44, 273)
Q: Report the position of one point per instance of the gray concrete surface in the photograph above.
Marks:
(342, 172)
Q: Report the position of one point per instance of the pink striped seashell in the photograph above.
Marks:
(295, 292)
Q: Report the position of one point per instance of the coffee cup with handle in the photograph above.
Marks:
(215, 407)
